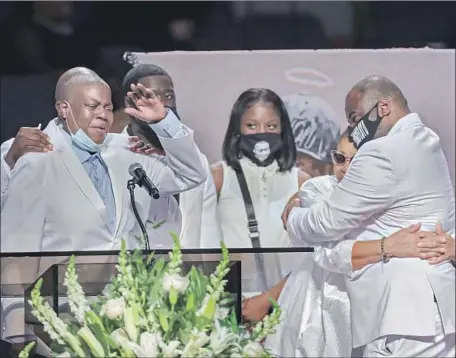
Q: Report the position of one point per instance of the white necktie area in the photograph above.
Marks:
(297, 279)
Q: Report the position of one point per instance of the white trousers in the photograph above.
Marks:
(440, 345)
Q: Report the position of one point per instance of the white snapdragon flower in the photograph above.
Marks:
(179, 283)
(113, 308)
(220, 338)
(197, 340)
(253, 349)
(221, 313)
(170, 350)
(148, 345)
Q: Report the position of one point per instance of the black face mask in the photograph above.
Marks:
(364, 131)
(260, 148)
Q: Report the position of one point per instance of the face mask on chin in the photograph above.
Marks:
(364, 131)
(260, 148)
(80, 138)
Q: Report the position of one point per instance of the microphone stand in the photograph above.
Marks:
(131, 184)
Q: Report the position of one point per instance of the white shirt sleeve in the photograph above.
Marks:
(365, 190)
(24, 208)
(211, 233)
(336, 258)
(169, 127)
(5, 169)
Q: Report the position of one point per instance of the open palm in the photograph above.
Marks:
(145, 105)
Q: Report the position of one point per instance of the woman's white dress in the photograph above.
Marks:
(270, 191)
(315, 318)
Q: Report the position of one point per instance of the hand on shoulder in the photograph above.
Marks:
(27, 140)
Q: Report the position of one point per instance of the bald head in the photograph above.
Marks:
(374, 88)
(62, 83)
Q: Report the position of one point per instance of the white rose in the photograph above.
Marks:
(253, 349)
(113, 308)
(178, 282)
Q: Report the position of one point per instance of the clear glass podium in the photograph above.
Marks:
(252, 271)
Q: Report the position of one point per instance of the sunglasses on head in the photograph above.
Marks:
(339, 157)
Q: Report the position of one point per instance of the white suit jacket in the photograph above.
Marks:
(51, 204)
(198, 207)
(164, 211)
(393, 182)
(199, 213)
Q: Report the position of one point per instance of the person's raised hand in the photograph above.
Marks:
(27, 140)
(145, 105)
(139, 146)
(293, 202)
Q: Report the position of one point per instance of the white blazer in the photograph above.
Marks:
(198, 208)
(164, 210)
(51, 204)
(393, 182)
(199, 213)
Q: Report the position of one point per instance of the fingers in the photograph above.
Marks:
(414, 228)
(426, 234)
(437, 260)
(154, 151)
(432, 242)
(439, 230)
(37, 149)
(133, 139)
(133, 112)
(430, 255)
(139, 91)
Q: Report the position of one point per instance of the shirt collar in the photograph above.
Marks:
(411, 119)
(82, 155)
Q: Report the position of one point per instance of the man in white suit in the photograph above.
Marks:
(198, 205)
(400, 307)
(64, 199)
(164, 216)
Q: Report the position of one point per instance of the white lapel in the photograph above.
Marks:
(78, 173)
(111, 157)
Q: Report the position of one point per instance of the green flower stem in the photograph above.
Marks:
(95, 346)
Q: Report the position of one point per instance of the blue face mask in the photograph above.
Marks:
(81, 139)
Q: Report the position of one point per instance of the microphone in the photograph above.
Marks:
(136, 171)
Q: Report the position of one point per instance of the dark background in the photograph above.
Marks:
(40, 40)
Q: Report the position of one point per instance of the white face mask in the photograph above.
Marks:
(81, 139)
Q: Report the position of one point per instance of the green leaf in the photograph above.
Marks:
(97, 327)
(173, 296)
(234, 323)
(190, 306)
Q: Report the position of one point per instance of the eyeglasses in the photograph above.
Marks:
(339, 157)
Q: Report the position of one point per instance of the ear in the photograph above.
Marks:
(384, 107)
(62, 109)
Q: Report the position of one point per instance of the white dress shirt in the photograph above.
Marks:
(393, 182)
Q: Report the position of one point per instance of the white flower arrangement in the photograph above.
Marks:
(151, 310)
